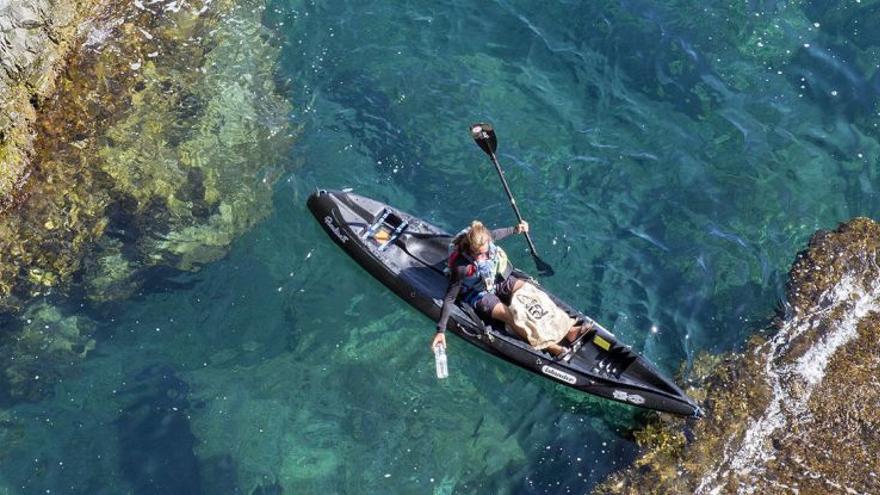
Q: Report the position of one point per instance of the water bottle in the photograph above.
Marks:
(440, 361)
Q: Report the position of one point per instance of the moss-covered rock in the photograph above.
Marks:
(159, 148)
(796, 411)
(195, 155)
(36, 37)
(48, 345)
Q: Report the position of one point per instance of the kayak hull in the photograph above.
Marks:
(407, 254)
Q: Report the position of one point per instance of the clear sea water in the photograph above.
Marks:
(671, 157)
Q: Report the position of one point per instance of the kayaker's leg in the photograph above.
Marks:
(502, 313)
(517, 285)
(556, 349)
(504, 290)
(576, 331)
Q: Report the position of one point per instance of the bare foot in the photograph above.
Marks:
(556, 350)
(560, 352)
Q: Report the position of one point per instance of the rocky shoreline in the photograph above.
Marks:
(36, 38)
(154, 144)
(797, 411)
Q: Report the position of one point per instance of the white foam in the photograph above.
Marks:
(99, 34)
(848, 302)
(811, 366)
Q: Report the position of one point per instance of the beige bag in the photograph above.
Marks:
(543, 321)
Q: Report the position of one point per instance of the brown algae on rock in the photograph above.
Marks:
(797, 412)
(159, 147)
(196, 152)
(36, 37)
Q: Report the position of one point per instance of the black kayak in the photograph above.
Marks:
(408, 255)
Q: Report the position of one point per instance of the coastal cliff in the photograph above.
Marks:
(797, 411)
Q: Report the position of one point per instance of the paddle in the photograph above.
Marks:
(484, 135)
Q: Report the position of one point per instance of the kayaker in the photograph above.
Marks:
(478, 271)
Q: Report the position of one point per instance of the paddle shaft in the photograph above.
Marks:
(512, 201)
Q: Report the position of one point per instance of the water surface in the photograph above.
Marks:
(671, 159)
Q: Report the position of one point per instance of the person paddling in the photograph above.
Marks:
(478, 273)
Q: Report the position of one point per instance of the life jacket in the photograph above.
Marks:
(481, 275)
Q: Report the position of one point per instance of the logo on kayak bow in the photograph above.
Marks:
(558, 374)
(633, 398)
(328, 220)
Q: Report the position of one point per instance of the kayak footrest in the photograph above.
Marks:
(385, 229)
(374, 227)
(394, 235)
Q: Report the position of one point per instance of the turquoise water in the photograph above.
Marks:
(672, 159)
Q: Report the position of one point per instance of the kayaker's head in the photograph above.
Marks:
(476, 242)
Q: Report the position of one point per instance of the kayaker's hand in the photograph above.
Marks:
(522, 227)
(439, 339)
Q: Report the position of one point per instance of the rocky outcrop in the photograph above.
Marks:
(796, 412)
(158, 147)
(35, 38)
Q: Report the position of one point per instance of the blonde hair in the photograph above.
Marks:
(476, 237)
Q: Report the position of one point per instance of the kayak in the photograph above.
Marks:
(408, 255)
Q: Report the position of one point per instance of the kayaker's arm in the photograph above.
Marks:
(449, 299)
(499, 234)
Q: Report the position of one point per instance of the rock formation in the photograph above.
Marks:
(157, 146)
(796, 412)
(35, 38)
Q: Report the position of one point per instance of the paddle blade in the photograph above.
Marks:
(484, 135)
(544, 269)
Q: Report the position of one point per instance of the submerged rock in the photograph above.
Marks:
(797, 411)
(380, 423)
(46, 347)
(195, 156)
(159, 147)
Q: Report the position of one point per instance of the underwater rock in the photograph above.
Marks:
(796, 411)
(46, 347)
(159, 148)
(110, 271)
(195, 155)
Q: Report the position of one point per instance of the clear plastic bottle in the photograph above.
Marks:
(440, 361)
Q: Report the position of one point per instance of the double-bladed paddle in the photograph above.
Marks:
(484, 135)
